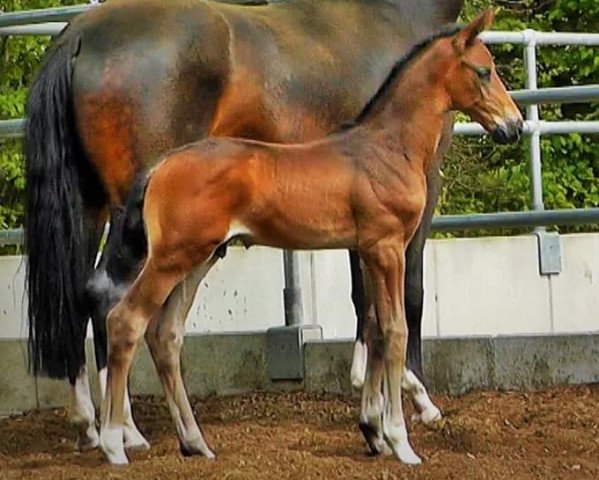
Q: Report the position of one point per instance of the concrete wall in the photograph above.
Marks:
(224, 364)
(483, 286)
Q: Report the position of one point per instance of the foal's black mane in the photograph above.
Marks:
(399, 67)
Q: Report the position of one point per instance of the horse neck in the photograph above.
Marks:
(409, 118)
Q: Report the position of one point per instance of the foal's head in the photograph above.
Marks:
(474, 86)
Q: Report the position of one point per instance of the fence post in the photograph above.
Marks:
(549, 247)
(532, 115)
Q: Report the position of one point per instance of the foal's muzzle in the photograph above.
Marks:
(508, 132)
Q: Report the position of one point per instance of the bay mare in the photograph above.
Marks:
(363, 188)
(130, 80)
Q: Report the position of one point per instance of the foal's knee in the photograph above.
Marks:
(124, 329)
(396, 340)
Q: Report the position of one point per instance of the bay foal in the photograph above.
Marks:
(363, 188)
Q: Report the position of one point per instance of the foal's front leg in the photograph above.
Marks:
(386, 264)
(127, 323)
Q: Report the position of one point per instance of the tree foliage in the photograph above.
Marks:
(479, 176)
(20, 57)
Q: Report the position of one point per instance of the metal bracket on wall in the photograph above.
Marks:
(550, 252)
(285, 350)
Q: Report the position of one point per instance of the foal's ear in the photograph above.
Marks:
(465, 37)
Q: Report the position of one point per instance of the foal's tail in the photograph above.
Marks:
(59, 239)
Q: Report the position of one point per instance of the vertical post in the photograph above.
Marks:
(549, 249)
(532, 115)
(292, 294)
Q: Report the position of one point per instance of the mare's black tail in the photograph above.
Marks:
(58, 234)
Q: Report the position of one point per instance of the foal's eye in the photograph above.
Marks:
(484, 73)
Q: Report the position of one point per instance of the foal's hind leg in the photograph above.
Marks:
(127, 323)
(132, 436)
(165, 339)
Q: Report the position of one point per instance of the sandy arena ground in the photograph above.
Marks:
(486, 435)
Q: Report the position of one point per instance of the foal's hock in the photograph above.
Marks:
(362, 188)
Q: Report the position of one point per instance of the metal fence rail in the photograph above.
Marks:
(52, 21)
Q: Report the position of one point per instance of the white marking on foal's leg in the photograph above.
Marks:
(131, 434)
(371, 422)
(111, 443)
(359, 363)
(102, 376)
(82, 413)
(427, 411)
(396, 435)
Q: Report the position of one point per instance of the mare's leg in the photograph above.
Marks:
(360, 358)
(386, 265)
(371, 410)
(132, 436)
(414, 292)
(82, 412)
(127, 323)
(165, 339)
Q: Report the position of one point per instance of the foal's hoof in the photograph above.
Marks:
(404, 452)
(118, 459)
(115, 457)
(85, 443)
(376, 445)
(134, 440)
(431, 418)
(406, 455)
(87, 436)
(191, 450)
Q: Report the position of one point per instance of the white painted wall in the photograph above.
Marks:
(483, 286)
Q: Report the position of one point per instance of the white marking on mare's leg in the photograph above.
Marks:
(427, 412)
(359, 363)
(83, 413)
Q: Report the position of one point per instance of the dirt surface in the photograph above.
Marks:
(549, 435)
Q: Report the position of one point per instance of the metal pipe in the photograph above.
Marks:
(27, 17)
(577, 94)
(541, 38)
(532, 115)
(11, 237)
(49, 28)
(442, 223)
(292, 293)
(545, 128)
(515, 219)
(12, 128)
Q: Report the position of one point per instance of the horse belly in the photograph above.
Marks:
(306, 210)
